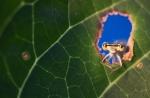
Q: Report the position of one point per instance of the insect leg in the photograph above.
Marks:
(110, 56)
(119, 59)
(107, 56)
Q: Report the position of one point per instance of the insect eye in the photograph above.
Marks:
(120, 46)
(105, 45)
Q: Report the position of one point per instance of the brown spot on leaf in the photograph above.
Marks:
(25, 55)
(139, 66)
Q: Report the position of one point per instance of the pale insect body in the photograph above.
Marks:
(115, 50)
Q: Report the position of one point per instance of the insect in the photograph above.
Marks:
(115, 52)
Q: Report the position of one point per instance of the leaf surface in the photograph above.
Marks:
(47, 50)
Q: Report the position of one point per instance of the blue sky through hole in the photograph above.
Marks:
(117, 28)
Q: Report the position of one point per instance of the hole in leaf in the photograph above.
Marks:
(115, 41)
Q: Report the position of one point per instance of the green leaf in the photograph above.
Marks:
(47, 49)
